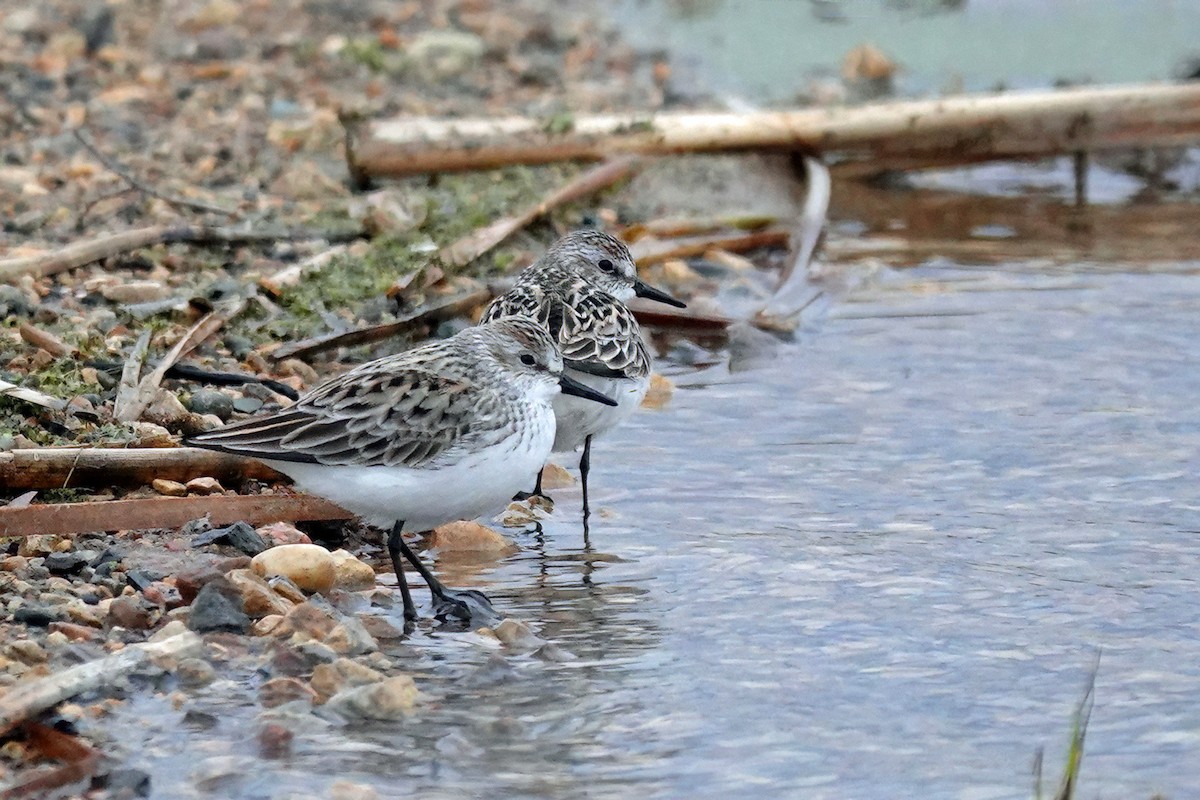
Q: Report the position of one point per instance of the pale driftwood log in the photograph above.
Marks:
(25, 700)
(912, 133)
(164, 512)
(97, 468)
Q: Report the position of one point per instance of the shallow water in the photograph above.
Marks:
(877, 564)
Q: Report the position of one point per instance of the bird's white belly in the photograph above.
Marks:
(579, 418)
(479, 483)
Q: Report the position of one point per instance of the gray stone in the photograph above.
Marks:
(208, 401)
(218, 607)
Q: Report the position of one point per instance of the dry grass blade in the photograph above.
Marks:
(127, 390)
(31, 396)
(476, 243)
(148, 387)
(290, 276)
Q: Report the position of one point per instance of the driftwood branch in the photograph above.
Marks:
(81, 253)
(913, 133)
(654, 251)
(119, 169)
(101, 467)
(430, 315)
(163, 512)
(475, 244)
(28, 699)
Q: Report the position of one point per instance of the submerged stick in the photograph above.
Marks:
(967, 128)
(98, 467)
(25, 700)
(164, 512)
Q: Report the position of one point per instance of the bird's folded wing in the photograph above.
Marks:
(411, 418)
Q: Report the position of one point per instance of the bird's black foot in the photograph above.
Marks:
(464, 606)
(535, 498)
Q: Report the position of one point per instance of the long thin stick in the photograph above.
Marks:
(164, 512)
(102, 467)
(475, 244)
(433, 314)
(80, 253)
(966, 128)
(24, 700)
(114, 166)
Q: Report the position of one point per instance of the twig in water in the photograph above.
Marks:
(114, 166)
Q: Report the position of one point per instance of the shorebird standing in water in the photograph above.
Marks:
(578, 291)
(446, 431)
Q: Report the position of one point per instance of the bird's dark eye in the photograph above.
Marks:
(528, 360)
(606, 265)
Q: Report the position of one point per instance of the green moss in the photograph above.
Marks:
(372, 55)
(563, 122)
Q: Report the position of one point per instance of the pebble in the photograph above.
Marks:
(195, 672)
(329, 679)
(190, 583)
(26, 651)
(659, 393)
(442, 55)
(124, 782)
(15, 302)
(345, 790)
(470, 537)
(240, 535)
(266, 626)
(247, 405)
(390, 699)
(556, 477)
(516, 634)
(76, 633)
(218, 607)
(274, 741)
(38, 545)
(310, 566)
(209, 401)
(258, 599)
(310, 620)
(278, 691)
(172, 628)
(204, 486)
(349, 637)
(380, 627)
(35, 615)
(168, 488)
(135, 292)
(283, 533)
(14, 564)
(130, 613)
(349, 573)
(287, 588)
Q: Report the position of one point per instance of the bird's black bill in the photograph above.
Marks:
(647, 291)
(572, 386)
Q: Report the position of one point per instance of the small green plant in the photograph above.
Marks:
(1079, 723)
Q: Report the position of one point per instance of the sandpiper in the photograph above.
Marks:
(578, 290)
(446, 431)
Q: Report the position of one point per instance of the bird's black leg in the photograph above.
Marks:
(462, 604)
(395, 544)
(585, 464)
(537, 489)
